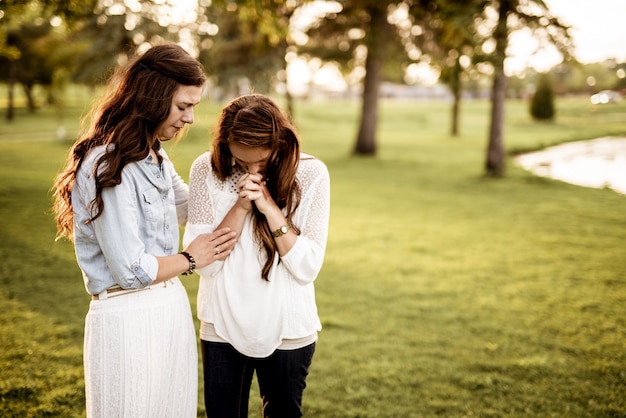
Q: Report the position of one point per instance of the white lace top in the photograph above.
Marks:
(252, 314)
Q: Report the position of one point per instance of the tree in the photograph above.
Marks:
(114, 31)
(361, 25)
(9, 53)
(450, 38)
(250, 44)
(49, 42)
(101, 42)
(240, 50)
(29, 40)
(35, 65)
(513, 14)
(375, 41)
(494, 164)
(542, 102)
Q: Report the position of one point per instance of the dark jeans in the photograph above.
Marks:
(228, 376)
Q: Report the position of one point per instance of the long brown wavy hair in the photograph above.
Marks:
(136, 100)
(256, 121)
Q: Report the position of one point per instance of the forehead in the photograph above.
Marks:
(188, 94)
(249, 154)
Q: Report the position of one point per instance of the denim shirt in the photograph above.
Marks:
(139, 222)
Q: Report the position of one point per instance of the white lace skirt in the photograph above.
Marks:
(141, 356)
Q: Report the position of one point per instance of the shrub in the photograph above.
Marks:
(542, 102)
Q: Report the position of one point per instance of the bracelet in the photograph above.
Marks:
(192, 263)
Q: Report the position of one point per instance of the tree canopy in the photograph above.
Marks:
(245, 45)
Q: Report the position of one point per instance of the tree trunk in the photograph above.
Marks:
(285, 44)
(455, 86)
(495, 163)
(10, 90)
(366, 139)
(30, 101)
(289, 105)
(288, 96)
(456, 105)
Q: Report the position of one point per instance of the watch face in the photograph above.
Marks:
(281, 231)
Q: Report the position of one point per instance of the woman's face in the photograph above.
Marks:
(181, 111)
(251, 159)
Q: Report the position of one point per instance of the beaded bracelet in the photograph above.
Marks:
(192, 263)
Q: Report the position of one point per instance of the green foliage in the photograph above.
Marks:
(443, 293)
(250, 45)
(542, 102)
(337, 36)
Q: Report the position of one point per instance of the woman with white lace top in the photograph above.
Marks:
(257, 307)
(121, 202)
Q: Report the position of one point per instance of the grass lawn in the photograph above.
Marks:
(444, 293)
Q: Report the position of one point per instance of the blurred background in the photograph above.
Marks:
(321, 50)
(456, 282)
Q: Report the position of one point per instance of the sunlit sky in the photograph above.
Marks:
(599, 27)
(598, 32)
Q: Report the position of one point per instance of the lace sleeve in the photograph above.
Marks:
(200, 203)
(315, 206)
(304, 260)
(201, 211)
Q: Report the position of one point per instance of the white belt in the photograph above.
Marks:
(119, 291)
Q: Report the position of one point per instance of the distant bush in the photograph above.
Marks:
(542, 102)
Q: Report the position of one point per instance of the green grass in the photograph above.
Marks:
(444, 293)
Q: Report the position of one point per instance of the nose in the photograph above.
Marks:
(188, 116)
(254, 168)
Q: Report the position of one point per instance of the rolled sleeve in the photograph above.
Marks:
(145, 271)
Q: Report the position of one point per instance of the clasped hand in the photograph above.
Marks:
(252, 190)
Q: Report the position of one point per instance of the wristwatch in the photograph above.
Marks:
(282, 230)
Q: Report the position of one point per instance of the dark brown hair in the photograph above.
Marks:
(256, 121)
(137, 99)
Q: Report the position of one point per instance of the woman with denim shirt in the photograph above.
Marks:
(257, 307)
(120, 200)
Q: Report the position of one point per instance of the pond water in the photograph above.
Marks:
(599, 163)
